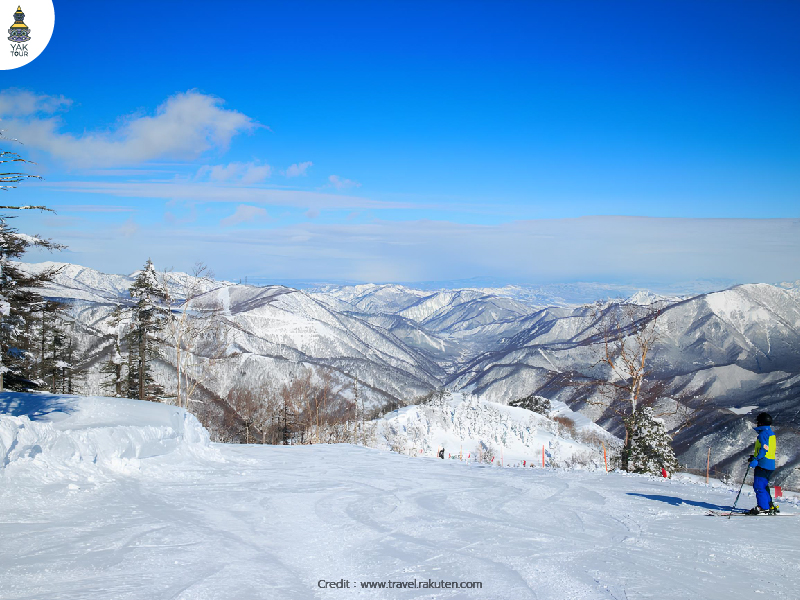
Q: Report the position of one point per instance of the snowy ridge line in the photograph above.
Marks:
(482, 430)
(94, 435)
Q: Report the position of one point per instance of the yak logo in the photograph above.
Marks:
(22, 46)
(19, 31)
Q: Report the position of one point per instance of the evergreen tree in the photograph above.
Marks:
(55, 347)
(148, 319)
(650, 445)
(18, 297)
(537, 404)
(114, 369)
(19, 305)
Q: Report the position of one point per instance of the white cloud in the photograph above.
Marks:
(94, 208)
(246, 173)
(209, 192)
(256, 173)
(20, 103)
(183, 127)
(244, 214)
(128, 229)
(298, 169)
(342, 184)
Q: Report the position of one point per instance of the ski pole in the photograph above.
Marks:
(746, 473)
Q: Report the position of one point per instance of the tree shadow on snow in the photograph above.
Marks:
(679, 501)
(34, 406)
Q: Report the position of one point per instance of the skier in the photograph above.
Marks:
(763, 461)
(441, 453)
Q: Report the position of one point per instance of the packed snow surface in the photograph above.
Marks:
(196, 521)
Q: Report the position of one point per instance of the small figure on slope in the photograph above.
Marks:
(763, 461)
(441, 452)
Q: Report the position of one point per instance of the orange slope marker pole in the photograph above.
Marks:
(605, 460)
(543, 456)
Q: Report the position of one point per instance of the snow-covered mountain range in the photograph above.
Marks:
(738, 349)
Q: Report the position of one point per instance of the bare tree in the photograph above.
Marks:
(625, 336)
(360, 428)
(197, 329)
(247, 403)
(268, 415)
(629, 334)
(288, 412)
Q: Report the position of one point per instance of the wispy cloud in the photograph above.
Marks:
(171, 218)
(94, 208)
(342, 184)
(208, 192)
(130, 173)
(183, 127)
(22, 103)
(246, 173)
(297, 170)
(128, 229)
(244, 214)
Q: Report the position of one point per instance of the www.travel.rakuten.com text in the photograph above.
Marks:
(390, 584)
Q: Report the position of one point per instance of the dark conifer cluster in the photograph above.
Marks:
(36, 348)
(137, 344)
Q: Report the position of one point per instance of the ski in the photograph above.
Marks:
(718, 513)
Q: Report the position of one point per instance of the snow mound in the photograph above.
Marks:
(58, 436)
(646, 298)
(500, 435)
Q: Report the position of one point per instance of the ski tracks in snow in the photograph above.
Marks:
(270, 522)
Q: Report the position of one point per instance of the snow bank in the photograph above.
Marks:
(467, 426)
(59, 436)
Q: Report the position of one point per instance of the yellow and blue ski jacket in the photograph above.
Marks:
(764, 451)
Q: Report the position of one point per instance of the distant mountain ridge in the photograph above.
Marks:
(737, 347)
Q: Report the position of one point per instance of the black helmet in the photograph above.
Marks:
(763, 419)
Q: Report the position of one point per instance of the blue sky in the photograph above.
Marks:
(416, 141)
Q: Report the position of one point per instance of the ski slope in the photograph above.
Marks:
(105, 498)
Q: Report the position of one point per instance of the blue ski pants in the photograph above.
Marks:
(761, 487)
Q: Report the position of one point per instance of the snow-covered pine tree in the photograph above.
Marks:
(19, 305)
(537, 404)
(650, 447)
(114, 368)
(148, 317)
(19, 299)
(54, 347)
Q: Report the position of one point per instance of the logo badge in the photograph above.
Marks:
(19, 31)
(30, 33)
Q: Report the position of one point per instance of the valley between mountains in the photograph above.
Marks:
(728, 354)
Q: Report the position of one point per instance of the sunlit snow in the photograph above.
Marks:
(105, 498)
